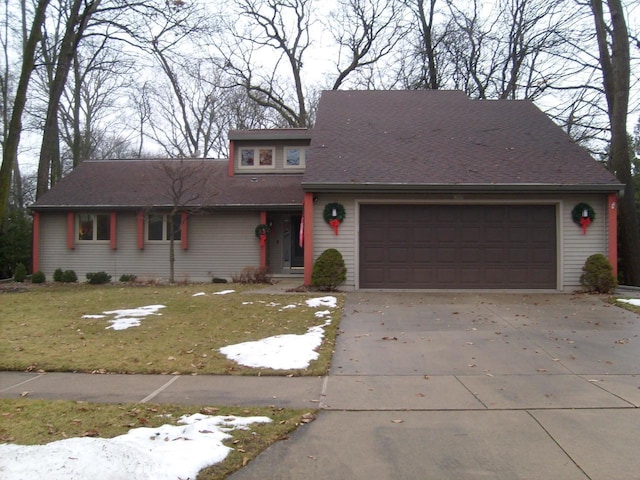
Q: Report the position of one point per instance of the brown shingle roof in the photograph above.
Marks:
(140, 183)
(442, 139)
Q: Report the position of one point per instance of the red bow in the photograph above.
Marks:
(334, 223)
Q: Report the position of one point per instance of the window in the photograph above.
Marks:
(157, 227)
(93, 227)
(259, 157)
(295, 156)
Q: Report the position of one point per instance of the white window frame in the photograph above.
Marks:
(165, 232)
(94, 230)
(303, 149)
(256, 158)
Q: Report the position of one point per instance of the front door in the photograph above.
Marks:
(296, 246)
(286, 253)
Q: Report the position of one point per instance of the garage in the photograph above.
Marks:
(457, 246)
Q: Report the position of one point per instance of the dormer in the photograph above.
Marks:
(278, 150)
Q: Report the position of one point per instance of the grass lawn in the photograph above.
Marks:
(33, 422)
(43, 328)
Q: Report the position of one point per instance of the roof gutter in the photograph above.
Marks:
(459, 188)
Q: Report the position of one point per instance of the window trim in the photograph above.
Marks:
(94, 240)
(165, 232)
(256, 157)
(303, 156)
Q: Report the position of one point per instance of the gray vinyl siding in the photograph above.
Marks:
(220, 245)
(573, 246)
(576, 247)
(346, 240)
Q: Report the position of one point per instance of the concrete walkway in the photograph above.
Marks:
(437, 386)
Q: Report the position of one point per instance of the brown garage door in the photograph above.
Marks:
(457, 246)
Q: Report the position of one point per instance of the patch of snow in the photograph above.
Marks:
(281, 352)
(630, 301)
(330, 302)
(288, 307)
(322, 313)
(167, 452)
(224, 292)
(199, 294)
(128, 317)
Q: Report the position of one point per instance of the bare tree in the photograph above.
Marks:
(11, 140)
(79, 15)
(185, 182)
(275, 27)
(423, 56)
(99, 76)
(365, 31)
(613, 45)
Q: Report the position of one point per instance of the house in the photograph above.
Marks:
(416, 189)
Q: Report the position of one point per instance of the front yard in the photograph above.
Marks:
(151, 329)
(68, 328)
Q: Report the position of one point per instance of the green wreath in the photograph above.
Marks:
(262, 229)
(329, 212)
(578, 211)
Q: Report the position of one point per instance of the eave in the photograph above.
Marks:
(460, 188)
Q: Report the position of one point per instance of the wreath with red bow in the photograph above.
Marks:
(262, 231)
(583, 215)
(334, 214)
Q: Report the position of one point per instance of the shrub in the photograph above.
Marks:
(98, 278)
(329, 270)
(252, 275)
(127, 278)
(218, 280)
(38, 277)
(20, 273)
(69, 276)
(57, 275)
(597, 275)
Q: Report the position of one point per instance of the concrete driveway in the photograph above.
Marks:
(473, 386)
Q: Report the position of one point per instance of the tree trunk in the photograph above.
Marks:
(50, 151)
(12, 140)
(616, 73)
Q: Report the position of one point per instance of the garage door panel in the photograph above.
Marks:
(458, 246)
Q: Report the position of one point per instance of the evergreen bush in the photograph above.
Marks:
(57, 275)
(127, 278)
(329, 270)
(20, 273)
(69, 276)
(98, 278)
(38, 277)
(597, 275)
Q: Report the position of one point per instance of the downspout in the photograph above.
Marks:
(308, 237)
(612, 214)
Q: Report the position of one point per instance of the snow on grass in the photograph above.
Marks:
(128, 317)
(631, 301)
(284, 352)
(167, 452)
(224, 292)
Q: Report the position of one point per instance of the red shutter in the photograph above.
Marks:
(184, 230)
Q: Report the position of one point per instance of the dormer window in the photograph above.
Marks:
(295, 157)
(257, 157)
